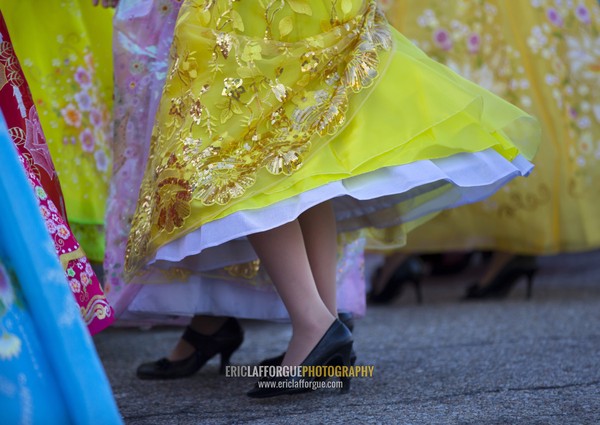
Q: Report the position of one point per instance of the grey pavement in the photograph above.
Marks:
(443, 362)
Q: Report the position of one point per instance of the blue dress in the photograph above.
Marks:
(50, 372)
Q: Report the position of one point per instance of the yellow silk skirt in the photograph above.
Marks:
(265, 106)
(64, 48)
(544, 58)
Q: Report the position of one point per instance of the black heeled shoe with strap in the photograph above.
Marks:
(224, 342)
(334, 348)
(506, 279)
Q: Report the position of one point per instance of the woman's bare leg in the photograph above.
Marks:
(389, 266)
(320, 239)
(497, 262)
(283, 254)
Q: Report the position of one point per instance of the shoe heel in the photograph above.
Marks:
(345, 357)
(506, 279)
(411, 270)
(530, 275)
(226, 356)
(418, 292)
(345, 385)
(418, 273)
(225, 360)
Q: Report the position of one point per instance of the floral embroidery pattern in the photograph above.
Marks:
(71, 84)
(570, 42)
(563, 40)
(141, 52)
(465, 42)
(25, 129)
(81, 277)
(9, 67)
(81, 113)
(234, 106)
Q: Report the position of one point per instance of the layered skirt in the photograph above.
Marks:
(267, 111)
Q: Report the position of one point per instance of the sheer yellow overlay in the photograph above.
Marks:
(266, 100)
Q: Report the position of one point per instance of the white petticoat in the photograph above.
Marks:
(359, 202)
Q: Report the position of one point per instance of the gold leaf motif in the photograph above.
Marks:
(284, 163)
(248, 72)
(361, 70)
(186, 67)
(222, 181)
(18, 135)
(236, 109)
(204, 17)
(346, 6)
(252, 52)
(3, 79)
(301, 6)
(279, 91)
(173, 202)
(226, 114)
(286, 25)
(236, 21)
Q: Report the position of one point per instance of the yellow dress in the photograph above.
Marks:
(270, 108)
(65, 51)
(543, 56)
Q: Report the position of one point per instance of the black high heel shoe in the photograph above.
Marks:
(344, 317)
(506, 279)
(224, 342)
(447, 264)
(411, 270)
(333, 349)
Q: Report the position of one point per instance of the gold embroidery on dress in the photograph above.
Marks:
(9, 66)
(3, 79)
(246, 270)
(517, 201)
(176, 274)
(235, 104)
(96, 307)
(69, 256)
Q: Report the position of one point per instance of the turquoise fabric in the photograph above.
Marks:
(50, 372)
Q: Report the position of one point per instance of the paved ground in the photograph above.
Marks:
(444, 362)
